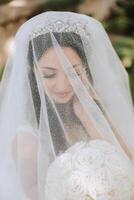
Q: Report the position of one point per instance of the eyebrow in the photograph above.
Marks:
(46, 67)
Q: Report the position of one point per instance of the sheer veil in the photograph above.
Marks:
(36, 125)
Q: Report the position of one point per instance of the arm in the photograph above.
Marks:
(24, 151)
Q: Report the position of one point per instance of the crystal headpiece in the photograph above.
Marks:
(60, 26)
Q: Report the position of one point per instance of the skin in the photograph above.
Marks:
(26, 146)
(53, 74)
(59, 88)
(58, 85)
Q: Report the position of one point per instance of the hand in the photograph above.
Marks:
(85, 119)
(77, 107)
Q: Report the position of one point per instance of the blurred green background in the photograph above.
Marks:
(117, 17)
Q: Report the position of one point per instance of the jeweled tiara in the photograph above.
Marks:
(60, 26)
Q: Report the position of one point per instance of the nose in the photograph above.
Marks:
(62, 83)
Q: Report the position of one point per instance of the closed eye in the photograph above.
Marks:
(49, 75)
(48, 72)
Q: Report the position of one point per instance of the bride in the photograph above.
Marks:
(66, 114)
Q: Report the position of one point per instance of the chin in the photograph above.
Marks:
(62, 100)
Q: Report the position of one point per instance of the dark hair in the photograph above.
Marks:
(64, 39)
(41, 44)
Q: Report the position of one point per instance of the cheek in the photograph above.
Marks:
(49, 84)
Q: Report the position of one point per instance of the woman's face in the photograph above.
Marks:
(54, 77)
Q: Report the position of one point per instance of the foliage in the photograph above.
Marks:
(62, 4)
(121, 21)
(121, 25)
(131, 80)
(4, 1)
(125, 47)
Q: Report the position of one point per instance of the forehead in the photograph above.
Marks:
(52, 56)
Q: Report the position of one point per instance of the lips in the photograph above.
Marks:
(61, 95)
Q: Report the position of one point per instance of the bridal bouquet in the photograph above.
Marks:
(92, 170)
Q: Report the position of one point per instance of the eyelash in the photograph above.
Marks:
(49, 76)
